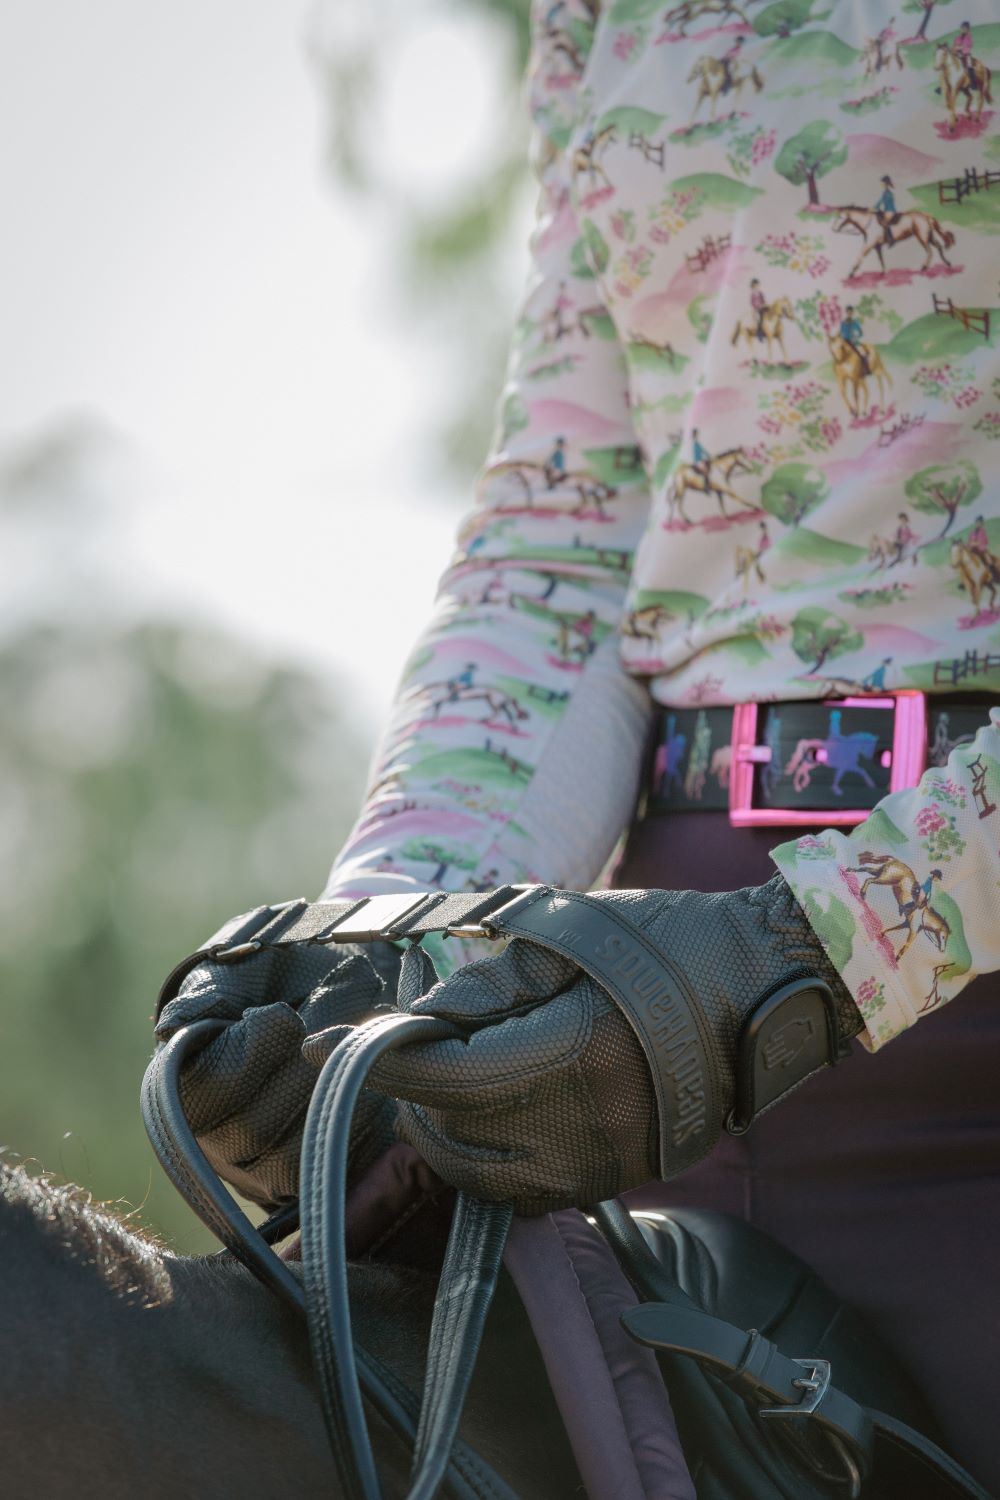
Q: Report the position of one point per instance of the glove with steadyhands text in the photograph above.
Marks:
(246, 1093)
(614, 1038)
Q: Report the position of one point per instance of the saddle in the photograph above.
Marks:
(691, 1357)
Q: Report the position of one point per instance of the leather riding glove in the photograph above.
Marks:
(614, 1038)
(246, 1092)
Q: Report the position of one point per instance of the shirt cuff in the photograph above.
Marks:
(818, 872)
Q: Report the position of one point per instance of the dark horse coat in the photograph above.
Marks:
(128, 1371)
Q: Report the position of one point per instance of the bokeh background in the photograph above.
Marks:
(259, 267)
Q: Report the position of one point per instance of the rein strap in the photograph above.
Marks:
(346, 1372)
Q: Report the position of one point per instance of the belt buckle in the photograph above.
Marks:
(909, 757)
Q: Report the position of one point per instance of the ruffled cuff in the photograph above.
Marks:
(818, 870)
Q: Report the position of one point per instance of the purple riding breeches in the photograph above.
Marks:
(883, 1173)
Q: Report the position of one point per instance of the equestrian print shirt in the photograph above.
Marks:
(743, 452)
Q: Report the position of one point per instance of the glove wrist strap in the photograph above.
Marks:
(655, 999)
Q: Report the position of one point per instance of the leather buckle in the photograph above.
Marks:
(908, 759)
(813, 1386)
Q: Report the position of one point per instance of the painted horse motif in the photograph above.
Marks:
(721, 468)
(912, 897)
(929, 233)
(955, 80)
(978, 573)
(772, 318)
(879, 53)
(680, 17)
(841, 753)
(668, 759)
(646, 624)
(497, 704)
(852, 377)
(711, 76)
(699, 760)
(585, 155)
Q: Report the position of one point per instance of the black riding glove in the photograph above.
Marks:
(246, 1093)
(573, 1085)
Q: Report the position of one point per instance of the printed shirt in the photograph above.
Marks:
(691, 503)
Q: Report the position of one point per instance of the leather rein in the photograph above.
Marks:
(346, 1372)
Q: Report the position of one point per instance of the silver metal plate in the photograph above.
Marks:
(380, 914)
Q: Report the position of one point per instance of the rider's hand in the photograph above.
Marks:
(246, 1093)
(553, 1101)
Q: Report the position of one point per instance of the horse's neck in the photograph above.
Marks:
(185, 1376)
(198, 1382)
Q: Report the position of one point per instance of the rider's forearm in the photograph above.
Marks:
(535, 788)
(908, 904)
(515, 738)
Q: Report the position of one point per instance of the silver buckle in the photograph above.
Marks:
(229, 955)
(485, 926)
(813, 1387)
(377, 918)
(223, 953)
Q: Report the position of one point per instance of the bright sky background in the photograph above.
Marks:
(177, 267)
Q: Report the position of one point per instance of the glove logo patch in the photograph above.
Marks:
(784, 1045)
(668, 1027)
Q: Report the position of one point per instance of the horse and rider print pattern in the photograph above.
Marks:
(745, 444)
(907, 905)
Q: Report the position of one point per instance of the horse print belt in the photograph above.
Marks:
(824, 760)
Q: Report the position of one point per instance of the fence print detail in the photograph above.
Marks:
(975, 319)
(954, 189)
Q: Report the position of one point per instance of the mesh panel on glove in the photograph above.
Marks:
(514, 1112)
(246, 1093)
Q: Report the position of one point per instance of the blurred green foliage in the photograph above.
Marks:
(158, 775)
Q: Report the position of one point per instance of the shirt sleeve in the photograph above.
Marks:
(515, 740)
(908, 904)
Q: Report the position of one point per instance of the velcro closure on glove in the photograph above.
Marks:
(653, 996)
(791, 1035)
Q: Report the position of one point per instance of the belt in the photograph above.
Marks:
(826, 760)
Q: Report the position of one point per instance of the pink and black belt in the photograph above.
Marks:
(826, 760)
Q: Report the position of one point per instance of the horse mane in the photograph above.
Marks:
(126, 1258)
(130, 1261)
